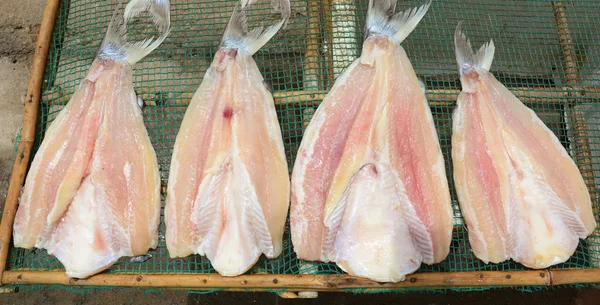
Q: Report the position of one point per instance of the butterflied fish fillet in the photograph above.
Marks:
(520, 193)
(228, 192)
(92, 194)
(369, 189)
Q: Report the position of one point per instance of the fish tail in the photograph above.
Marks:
(115, 44)
(466, 59)
(237, 35)
(382, 19)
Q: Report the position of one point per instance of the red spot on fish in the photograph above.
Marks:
(227, 113)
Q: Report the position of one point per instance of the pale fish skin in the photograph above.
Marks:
(92, 194)
(228, 191)
(520, 193)
(369, 188)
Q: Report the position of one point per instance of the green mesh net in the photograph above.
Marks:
(301, 63)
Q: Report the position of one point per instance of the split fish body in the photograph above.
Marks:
(369, 189)
(520, 193)
(92, 194)
(228, 192)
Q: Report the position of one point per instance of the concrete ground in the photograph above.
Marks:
(19, 26)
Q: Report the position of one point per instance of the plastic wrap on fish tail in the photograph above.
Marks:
(115, 44)
(239, 37)
(382, 19)
(465, 58)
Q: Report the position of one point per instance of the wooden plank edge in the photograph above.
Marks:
(28, 132)
(311, 282)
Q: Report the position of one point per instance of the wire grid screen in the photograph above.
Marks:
(321, 39)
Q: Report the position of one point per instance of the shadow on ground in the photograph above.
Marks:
(566, 296)
(504, 296)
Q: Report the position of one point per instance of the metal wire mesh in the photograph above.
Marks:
(301, 64)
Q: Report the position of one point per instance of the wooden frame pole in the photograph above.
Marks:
(436, 97)
(312, 282)
(28, 134)
(293, 282)
(311, 65)
(583, 153)
(569, 59)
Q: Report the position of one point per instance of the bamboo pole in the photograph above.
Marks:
(28, 133)
(258, 282)
(566, 42)
(300, 282)
(436, 97)
(575, 114)
(311, 58)
(579, 276)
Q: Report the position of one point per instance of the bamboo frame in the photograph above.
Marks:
(311, 66)
(299, 282)
(28, 134)
(583, 154)
(436, 97)
(320, 282)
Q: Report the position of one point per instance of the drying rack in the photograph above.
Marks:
(327, 40)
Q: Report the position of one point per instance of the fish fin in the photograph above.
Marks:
(514, 229)
(205, 214)
(333, 222)
(159, 9)
(258, 223)
(115, 44)
(418, 231)
(208, 220)
(237, 35)
(466, 59)
(420, 236)
(559, 208)
(381, 19)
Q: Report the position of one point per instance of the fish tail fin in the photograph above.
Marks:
(115, 44)
(382, 19)
(237, 35)
(466, 58)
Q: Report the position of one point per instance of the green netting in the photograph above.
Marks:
(528, 55)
